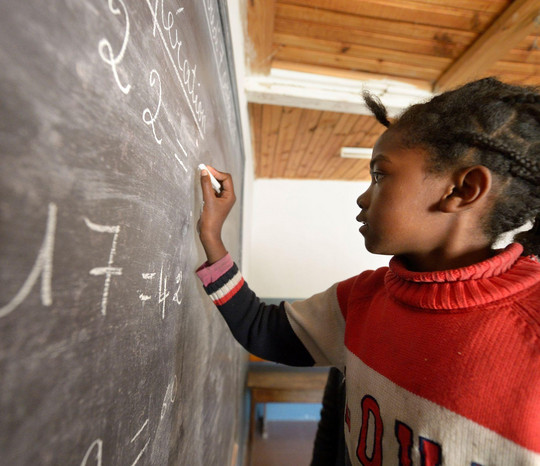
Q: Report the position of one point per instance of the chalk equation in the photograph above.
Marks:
(43, 267)
(163, 291)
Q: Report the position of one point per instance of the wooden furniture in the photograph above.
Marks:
(271, 383)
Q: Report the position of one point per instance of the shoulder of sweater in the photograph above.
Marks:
(366, 284)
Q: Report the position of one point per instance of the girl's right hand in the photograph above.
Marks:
(216, 208)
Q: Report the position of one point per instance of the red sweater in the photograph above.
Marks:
(441, 367)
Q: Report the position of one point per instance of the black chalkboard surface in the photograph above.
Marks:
(110, 352)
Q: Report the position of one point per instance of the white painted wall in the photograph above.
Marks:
(304, 237)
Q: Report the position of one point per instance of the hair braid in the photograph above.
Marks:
(526, 168)
(377, 108)
(490, 123)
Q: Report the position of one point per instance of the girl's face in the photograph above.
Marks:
(399, 210)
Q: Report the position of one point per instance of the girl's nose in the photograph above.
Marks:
(362, 200)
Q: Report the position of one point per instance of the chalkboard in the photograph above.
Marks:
(110, 352)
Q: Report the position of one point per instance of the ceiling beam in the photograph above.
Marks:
(512, 26)
(259, 51)
(317, 92)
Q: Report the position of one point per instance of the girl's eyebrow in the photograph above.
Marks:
(378, 158)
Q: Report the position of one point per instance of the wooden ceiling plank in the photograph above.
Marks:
(309, 121)
(345, 127)
(513, 25)
(288, 131)
(444, 46)
(317, 153)
(530, 43)
(261, 14)
(391, 69)
(492, 6)
(271, 118)
(356, 138)
(332, 145)
(509, 67)
(339, 168)
(329, 149)
(406, 11)
(347, 169)
(373, 25)
(360, 51)
(320, 135)
(255, 117)
(522, 56)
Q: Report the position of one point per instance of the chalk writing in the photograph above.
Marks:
(145, 445)
(142, 296)
(106, 52)
(184, 70)
(42, 266)
(184, 153)
(176, 297)
(180, 162)
(98, 446)
(148, 118)
(170, 396)
(163, 292)
(109, 270)
(139, 431)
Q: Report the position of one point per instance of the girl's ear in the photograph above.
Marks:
(470, 187)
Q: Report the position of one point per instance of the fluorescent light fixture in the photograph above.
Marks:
(356, 152)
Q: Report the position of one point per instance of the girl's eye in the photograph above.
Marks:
(376, 177)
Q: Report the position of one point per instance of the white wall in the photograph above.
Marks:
(304, 237)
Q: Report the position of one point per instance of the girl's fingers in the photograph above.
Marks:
(207, 189)
(227, 184)
(224, 178)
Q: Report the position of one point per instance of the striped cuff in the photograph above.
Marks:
(226, 286)
(210, 273)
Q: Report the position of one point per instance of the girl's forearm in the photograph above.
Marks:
(216, 208)
(213, 247)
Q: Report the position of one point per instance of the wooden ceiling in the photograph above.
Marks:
(432, 45)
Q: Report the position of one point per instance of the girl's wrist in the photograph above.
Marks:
(214, 248)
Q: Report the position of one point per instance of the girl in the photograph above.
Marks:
(440, 350)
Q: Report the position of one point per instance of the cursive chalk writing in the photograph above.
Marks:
(184, 70)
(148, 118)
(106, 52)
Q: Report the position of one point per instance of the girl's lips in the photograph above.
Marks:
(361, 219)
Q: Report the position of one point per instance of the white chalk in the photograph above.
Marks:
(215, 183)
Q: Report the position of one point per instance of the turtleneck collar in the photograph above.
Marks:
(496, 278)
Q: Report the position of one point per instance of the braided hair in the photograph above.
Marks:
(484, 122)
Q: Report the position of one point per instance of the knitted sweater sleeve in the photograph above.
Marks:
(303, 333)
